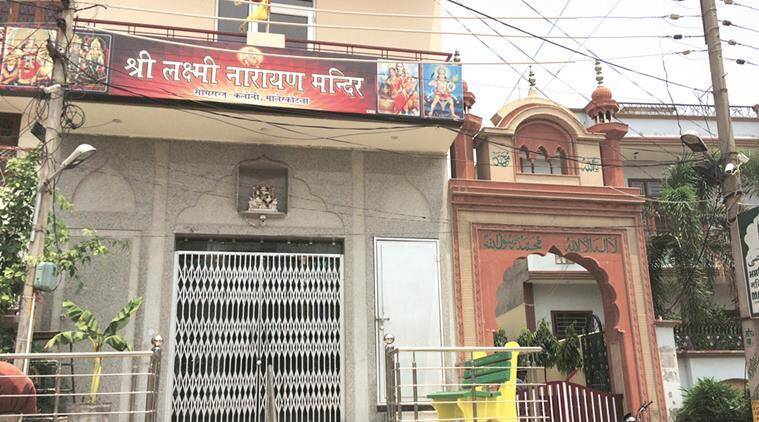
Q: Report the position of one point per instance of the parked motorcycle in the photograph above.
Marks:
(638, 416)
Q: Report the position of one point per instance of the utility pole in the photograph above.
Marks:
(64, 33)
(731, 190)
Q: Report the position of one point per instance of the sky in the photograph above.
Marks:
(495, 85)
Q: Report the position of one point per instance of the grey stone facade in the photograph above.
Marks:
(148, 192)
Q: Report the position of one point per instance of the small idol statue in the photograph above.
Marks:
(263, 199)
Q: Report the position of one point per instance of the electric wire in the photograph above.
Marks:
(756, 9)
(348, 59)
(581, 45)
(542, 43)
(559, 45)
(511, 65)
(666, 79)
(585, 96)
(388, 29)
(413, 16)
(745, 28)
(286, 126)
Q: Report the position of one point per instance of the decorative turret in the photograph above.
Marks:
(469, 98)
(603, 110)
(602, 107)
(533, 92)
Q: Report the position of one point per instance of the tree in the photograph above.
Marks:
(87, 329)
(686, 259)
(17, 197)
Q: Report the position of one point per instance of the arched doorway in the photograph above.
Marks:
(600, 252)
(552, 292)
(498, 223)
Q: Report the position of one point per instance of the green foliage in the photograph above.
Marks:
(17, 197)
(750, 175)
(565, 355)
(711, 400)
(87, 328)
(685, 260)
(16, 208)
(544, 338)
(569, 355)
(499, 338)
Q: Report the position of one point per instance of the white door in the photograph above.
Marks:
(408, 305)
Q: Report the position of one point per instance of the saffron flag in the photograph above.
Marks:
(261, 12)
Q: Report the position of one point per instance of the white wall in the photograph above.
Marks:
(667, 127)
(665, 339)
(567, 296)
(720, 367)
(548, 263)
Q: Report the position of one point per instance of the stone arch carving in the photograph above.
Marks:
(517, 113)
(306, 207)
(538, 132)
(104, 190)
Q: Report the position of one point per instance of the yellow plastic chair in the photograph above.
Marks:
(492, 406)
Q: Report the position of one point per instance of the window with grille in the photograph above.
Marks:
(9, 129)
(562, 320)
(284, 11)
(650, 188)
(37, 12)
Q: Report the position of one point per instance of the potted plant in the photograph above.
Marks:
(87, 329)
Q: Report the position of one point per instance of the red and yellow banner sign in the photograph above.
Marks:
(245, 75)
(121, 65)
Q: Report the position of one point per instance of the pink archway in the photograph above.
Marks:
(604, 253)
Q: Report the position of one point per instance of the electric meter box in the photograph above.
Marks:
(44, 277)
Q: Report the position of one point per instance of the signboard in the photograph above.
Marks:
(748, 227)
(119, 65)
(443, 91)
(398, 89)
(244, 75)
(27, 63)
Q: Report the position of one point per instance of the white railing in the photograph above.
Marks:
(569, 402)
(129, 385)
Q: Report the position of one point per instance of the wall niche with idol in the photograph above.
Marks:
(262, 189)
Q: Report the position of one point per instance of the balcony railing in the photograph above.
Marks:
(705, 336)
(689, 110)
(390, 53)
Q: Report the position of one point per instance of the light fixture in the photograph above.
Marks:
(694, 142)
(78, 156)
(81, 153)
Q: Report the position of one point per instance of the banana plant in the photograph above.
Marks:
(87, 329)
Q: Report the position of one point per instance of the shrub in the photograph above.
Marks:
(710, 400)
